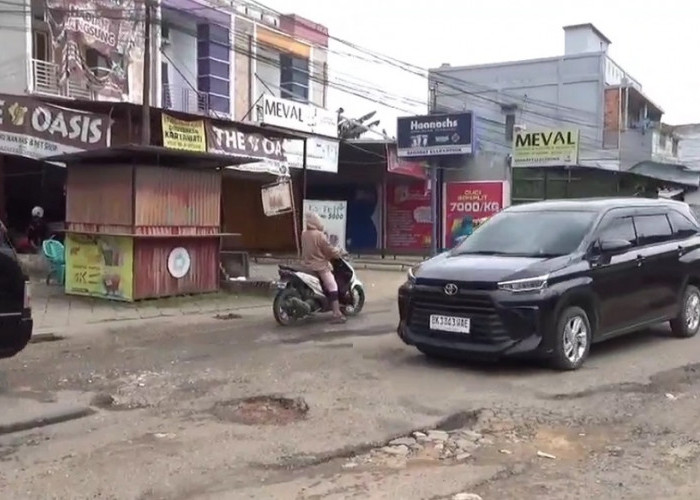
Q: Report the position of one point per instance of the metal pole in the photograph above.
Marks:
(146, 107)
(434, 207)
(304, 169)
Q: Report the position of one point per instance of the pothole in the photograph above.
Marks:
(228, 316)
(108, 402)
(261, 410)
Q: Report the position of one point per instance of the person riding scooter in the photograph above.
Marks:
(316, 255)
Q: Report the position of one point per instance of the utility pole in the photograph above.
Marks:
(433, 167)
(146, 106)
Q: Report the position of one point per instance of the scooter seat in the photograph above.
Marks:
(297, 268)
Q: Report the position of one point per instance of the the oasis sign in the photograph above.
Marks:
(545, 148)
(35, 129)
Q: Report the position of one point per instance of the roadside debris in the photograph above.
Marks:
(549, 456)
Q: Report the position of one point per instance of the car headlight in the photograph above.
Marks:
(525, 285)
(411, 274)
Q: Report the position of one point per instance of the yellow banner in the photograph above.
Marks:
(100, 266)
(545, 148)
(183, 135)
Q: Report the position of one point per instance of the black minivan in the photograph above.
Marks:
(16, 323)
(550, 278)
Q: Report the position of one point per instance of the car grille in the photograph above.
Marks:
(486, 326)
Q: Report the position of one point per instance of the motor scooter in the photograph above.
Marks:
(301, 293)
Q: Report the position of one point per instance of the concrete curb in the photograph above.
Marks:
(49, 418)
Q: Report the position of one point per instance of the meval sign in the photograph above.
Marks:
(545, 148)
(434, 135)
(294, 115)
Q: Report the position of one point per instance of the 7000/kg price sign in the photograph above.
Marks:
(465, 202)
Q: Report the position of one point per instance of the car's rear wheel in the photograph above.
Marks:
(572, 339)
(687, 323)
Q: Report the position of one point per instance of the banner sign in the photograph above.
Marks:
(183, 135)
(465, 202)
(434, 135)
(294, 115)
(100, 266)
(277, 198)
(408, 217)
(231, 141)
(334, 215)
(117, 40)
(34, 129)
(545, 148)
(396, 165)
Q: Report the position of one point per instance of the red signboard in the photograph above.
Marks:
(396, 165)
(408, 224)
(465, 202)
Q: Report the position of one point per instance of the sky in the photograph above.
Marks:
(658, 43)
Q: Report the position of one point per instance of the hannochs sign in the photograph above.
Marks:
(545, 148)
(434, 135)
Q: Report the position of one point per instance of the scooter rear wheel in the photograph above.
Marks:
(280, 306)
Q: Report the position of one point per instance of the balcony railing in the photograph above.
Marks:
(184, 99)
(45, 81)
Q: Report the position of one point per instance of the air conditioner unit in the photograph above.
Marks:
(271, 20)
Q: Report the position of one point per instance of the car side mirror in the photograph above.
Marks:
(613, 247)
(459, 240)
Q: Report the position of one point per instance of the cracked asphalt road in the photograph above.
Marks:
(625, 426)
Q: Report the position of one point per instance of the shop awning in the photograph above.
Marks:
(155, 155)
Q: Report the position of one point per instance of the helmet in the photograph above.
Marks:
(37, 212)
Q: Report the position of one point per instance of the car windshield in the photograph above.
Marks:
(529, 234)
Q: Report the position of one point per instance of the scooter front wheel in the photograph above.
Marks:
(281, 306)
(358, 301)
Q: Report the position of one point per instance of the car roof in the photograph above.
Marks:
(595, 204)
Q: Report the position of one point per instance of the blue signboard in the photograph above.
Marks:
(434, 135)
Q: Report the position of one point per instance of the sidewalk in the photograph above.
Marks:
(56, 312)
(53, 310)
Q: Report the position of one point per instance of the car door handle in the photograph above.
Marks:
(681, 251)
(640, 260)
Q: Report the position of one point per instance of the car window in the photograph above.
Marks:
(683, 227)
(620, 228)
(652, 229)
(533, 234)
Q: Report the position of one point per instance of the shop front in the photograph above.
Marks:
(32, 129)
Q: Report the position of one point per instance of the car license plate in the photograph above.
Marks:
(450, 324)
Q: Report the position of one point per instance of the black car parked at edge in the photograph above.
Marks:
(15, 312)
(548, 279)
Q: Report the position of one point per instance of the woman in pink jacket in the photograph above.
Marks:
(316, 255)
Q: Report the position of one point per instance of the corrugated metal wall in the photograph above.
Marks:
(177, 201)
(151, 276)
(243, 213)
(99, 197)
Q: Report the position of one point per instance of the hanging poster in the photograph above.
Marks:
(466, 202)
(183, 135)
(408, 217)
(276, 198)
(334, 215)
(100, 266)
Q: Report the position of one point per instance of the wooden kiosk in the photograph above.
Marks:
(142, 222)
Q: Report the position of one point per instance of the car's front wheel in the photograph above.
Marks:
(687, 323)
(572, 339)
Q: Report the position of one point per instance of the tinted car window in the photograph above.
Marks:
(652, 229)
(535, 234)
(620, 228)
(682, 226)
